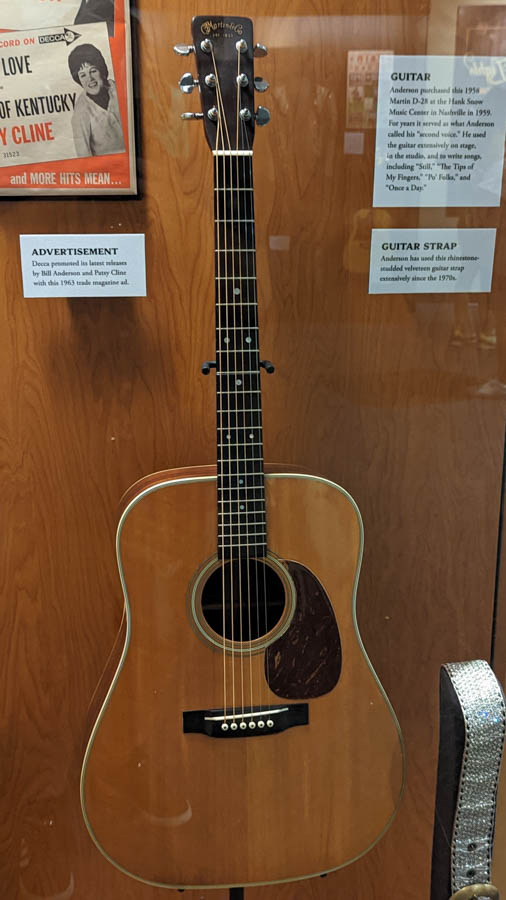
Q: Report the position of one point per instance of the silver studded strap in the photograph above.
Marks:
(483, 709)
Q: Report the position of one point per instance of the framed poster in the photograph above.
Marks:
(66, 98)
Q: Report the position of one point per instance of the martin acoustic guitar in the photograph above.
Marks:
(245, 738)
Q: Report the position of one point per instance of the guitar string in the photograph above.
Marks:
(250, 272)
(238, 355)
(247, 368)
(228, 217)
(263, 682)
(222, 131)
(221, 522)
(237, 301)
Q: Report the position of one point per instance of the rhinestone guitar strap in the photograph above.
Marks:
(483, 710)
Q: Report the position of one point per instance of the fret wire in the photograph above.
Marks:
(231, 474)
(232, 477)
(240, 444)
(257, 512)
(231, 487)
(247, 349)
(251, 544)
(245, 392)
(259, 527)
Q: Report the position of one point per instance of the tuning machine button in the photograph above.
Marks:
(262, 116)
(261, 84)
(184, 49)
(187, 82)
(189, 115)
(260, 50)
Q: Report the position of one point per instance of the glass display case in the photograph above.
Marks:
(374, 247)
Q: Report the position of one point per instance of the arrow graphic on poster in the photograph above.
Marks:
(64, 35)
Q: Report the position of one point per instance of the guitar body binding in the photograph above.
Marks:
(172, 807)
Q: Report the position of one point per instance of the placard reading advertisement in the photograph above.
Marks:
(66, 110)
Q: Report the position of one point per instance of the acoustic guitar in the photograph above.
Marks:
(245, 738)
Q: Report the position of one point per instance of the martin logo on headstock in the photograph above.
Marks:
(222, 27)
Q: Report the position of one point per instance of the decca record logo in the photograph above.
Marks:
(210, 27)
(65, 35)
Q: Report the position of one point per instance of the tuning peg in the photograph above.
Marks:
(187, 82)
(261, 84)
(262, 115)
(260, 50)
(184, 49)
(192, 115)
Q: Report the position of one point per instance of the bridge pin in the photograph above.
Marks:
(270, 723)
(234, 726)
(243, 726)
(252, 725)
(261, 723)
(224, 726)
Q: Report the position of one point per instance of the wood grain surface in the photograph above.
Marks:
(367, 391)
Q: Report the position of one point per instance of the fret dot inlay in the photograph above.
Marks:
(248, 340)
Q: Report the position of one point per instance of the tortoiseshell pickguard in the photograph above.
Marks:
(306, 661)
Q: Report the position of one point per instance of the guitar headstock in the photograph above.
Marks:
(224, 51)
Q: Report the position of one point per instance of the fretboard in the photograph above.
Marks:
(241, 501)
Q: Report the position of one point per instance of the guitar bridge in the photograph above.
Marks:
(252, 721)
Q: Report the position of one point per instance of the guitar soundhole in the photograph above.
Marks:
(243, 600)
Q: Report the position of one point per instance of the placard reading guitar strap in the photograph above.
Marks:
(431, 260)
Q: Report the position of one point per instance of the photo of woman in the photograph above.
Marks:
(96, 121)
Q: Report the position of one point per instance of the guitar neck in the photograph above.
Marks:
(240, 474)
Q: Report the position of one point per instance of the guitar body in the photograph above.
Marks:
(187, 810)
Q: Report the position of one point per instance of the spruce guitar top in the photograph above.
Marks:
(244, 738)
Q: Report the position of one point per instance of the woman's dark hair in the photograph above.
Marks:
(87, 54)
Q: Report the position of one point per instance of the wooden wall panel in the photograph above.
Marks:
(97, 393)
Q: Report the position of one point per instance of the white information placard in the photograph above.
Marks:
(440, 131)
(83, 265)
(431, 260)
